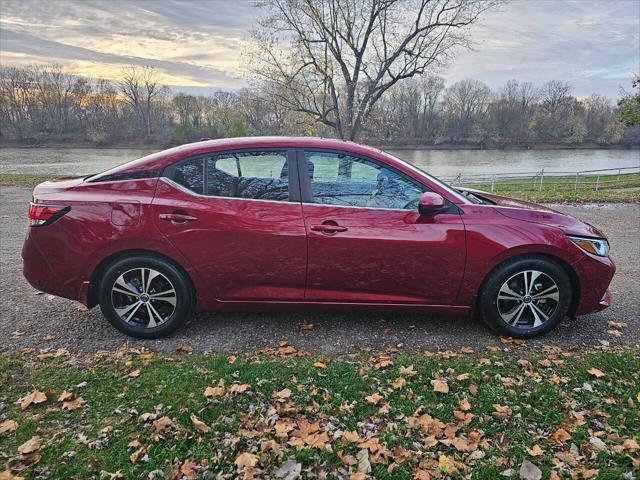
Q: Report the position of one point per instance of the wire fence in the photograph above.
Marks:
(603, 179)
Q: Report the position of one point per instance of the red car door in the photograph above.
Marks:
(366, 240)
(237, 218)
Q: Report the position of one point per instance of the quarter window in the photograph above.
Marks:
(262, 175)
(340, 179)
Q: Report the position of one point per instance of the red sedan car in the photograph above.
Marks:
(305, 223)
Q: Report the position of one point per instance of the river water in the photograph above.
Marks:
(441, 163)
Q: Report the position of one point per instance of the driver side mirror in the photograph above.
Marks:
(430, 202)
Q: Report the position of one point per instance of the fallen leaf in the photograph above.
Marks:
(8, 426)
(561, 435)
(238, 388)
(501, 410)
(136, 455)
(446, 465)
(351, 436)
(358, 476)
(64, 396)
(408, 371)
(440, 386)
(595, 372)
(619, 325)
(320, 365)
(32, 398)
(373, 398)
(535, 451)
(307, 326)
(232, 359)
(282, 395)
(464, 405)
(246, 459)
(462, 376)
(215, 391)
(73, 404)
(184, 348)
(31, 445)
(135, 373)
(398, 383)
(200, 425)
(162, 424)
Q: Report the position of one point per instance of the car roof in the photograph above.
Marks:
(167, 157)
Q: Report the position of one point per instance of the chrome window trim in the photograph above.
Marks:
(329, 205)
(195, 194)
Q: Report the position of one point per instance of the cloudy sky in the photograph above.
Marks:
(197, 45)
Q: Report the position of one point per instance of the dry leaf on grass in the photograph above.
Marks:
(8, 426)
(246, 459)
(162, 424)
(535, 451)
(31, 445)
(32, 398)
(238, 388)
(134, 374)
(199, 424)
(136, 455)
(595, 372)
(73, 404)
(320, 365)
(282, 395)
(561, 435)
(184, 348)
(215, 391)
(373, 398)
(440, 386)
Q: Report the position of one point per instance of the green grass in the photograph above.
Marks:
(625, 188)
(25, 180)
(334, 396)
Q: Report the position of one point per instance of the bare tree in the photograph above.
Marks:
(335, 59)
(140, 86)
(465, 105)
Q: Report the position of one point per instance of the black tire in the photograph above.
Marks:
(167, 312)
(526, 313)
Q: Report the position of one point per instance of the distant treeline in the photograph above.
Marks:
(43, 104)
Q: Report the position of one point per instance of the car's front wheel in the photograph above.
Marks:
(145, 296)
(525, 297)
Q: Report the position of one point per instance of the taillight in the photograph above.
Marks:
(41, 214)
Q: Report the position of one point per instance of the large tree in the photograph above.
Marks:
(334, 59)
(630, 105)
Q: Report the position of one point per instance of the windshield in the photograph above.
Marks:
(435, 180)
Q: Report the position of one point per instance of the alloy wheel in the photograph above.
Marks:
(528, 299)
(143, 297)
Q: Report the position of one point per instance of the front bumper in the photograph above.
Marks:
(594, 275)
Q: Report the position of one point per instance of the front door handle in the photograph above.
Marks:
(328, 228)
(177, 217)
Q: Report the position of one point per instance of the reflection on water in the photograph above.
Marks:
(443, 163)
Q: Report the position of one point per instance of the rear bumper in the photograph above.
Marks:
(595, 275)
(39, 272)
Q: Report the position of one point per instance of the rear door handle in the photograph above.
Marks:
(177, 217)
(328, 228)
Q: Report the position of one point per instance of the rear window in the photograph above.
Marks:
(260, 175)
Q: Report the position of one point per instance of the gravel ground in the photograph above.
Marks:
(43, 321)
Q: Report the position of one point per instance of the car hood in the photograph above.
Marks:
(532, 212)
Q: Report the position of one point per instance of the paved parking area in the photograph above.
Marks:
(29, 319)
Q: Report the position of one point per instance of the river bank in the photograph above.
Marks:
(381, 145)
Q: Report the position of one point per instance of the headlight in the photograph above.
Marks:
(595, 246)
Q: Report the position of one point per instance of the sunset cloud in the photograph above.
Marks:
(197, 45)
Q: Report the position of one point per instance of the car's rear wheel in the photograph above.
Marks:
(525, 297)
(145, 296)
